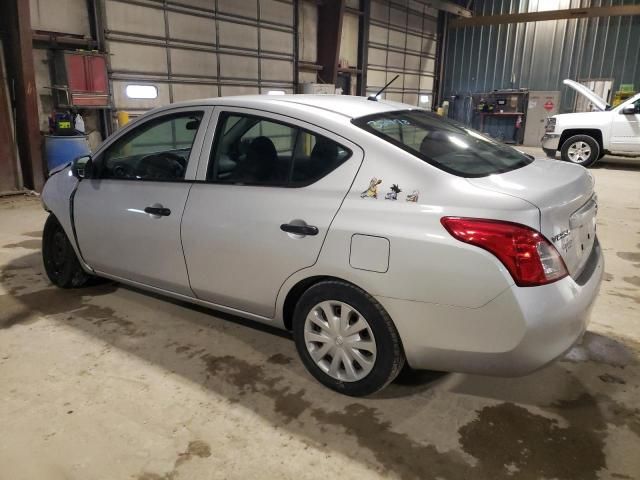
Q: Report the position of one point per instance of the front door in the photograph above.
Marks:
(625, 134)
(127, 215)
(271, 191)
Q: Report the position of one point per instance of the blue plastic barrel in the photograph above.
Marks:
(62, 150)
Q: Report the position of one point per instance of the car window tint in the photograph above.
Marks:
(315, 157)
(157, 150)
(447, 145)
(252, 150)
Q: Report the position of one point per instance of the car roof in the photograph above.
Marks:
(347, 106)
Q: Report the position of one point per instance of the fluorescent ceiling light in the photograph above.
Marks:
(141, 91)
(424, 98)
(276, 92)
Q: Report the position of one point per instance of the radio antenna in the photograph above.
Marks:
(374, 98)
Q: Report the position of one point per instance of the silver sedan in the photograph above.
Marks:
(378, 233)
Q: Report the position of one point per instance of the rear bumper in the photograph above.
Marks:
(550, 141)
(518, 332)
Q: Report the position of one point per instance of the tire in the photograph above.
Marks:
(59, 258)
(372, 367)
(549, 153)
(581, 150)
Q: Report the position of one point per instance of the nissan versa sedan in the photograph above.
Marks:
(377, 232)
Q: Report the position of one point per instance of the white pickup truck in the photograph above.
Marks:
(585, 137)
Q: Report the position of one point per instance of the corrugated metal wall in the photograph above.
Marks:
(539, 55)
(402, 41)
(199, 48)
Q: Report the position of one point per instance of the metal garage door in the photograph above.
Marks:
(198, 48)
(402, 41)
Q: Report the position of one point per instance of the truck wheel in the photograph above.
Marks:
(346, 340)
(549, 152)
(581, 150)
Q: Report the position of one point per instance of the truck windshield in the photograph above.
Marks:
(445, 144)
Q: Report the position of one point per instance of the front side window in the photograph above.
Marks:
(252, 150)
(450, 146)
(157, 150)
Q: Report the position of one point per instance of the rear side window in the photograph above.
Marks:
(450, 146)
(252, 150)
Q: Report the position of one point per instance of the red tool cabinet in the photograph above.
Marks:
(80, 79)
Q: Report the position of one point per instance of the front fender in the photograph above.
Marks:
(57, 198)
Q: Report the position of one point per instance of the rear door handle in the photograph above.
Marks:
(158, 211)
(299, 229)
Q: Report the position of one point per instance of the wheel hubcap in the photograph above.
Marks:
(579, 152)
(340, 341)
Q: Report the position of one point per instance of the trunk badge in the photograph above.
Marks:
(560, 236)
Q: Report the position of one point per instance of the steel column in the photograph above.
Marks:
(8, 161)
(330, 15)
(21, 69)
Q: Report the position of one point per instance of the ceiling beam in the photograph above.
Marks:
(616, 11)
(448, 7)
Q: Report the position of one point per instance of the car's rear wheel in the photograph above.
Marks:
(346, 339)
(59, 258)
(581, 149)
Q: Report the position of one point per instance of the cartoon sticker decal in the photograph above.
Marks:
(413, 197)
(393, 194)
(372, 191)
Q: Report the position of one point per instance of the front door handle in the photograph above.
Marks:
(299, 229)
(158, 211)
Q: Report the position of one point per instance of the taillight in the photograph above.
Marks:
(530, 258)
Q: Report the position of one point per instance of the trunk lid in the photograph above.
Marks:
(564, 194)
(594, 98)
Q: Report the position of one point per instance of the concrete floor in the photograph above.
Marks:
(112, 383)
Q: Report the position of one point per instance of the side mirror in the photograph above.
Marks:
(629, 110)
(81, 167)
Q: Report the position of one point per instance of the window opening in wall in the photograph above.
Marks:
(141, 91)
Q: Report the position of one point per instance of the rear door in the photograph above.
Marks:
(127, 216)
(263, 207)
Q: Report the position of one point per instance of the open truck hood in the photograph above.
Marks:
(564, 195)
(597, 100)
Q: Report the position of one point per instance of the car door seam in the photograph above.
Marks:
(324, 239)
(73, 226)
(184, 256)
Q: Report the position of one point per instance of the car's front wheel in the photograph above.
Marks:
(59, 258)
(581, 149)
(346, 339)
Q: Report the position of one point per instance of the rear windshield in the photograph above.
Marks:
(448, 145)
